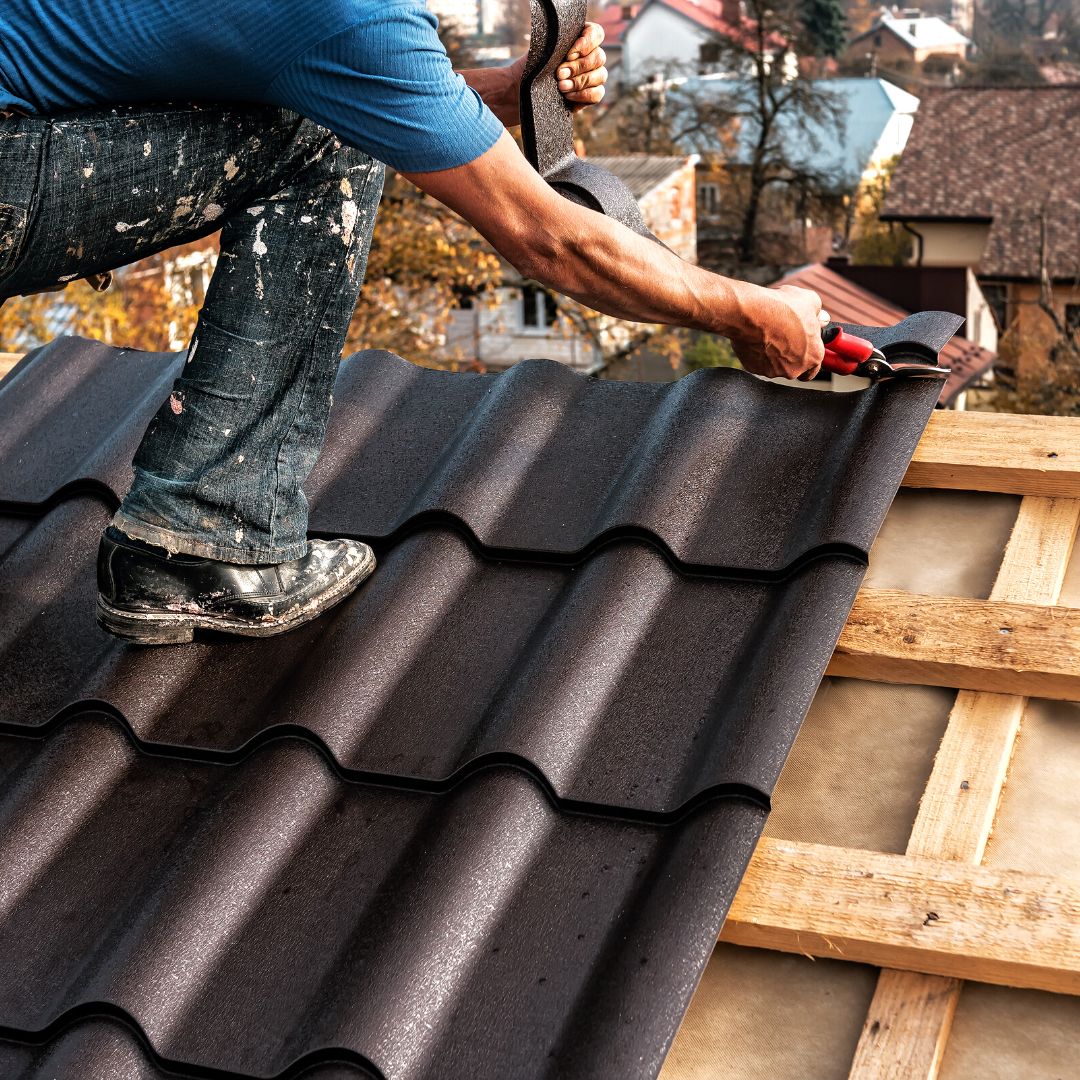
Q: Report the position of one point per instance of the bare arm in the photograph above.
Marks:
(584, 255)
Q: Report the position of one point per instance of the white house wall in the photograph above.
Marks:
(660, 40)
(493, 335)
(948, 244)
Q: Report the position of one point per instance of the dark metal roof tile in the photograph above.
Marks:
(620, 683)
(252, 917)
(298, 864)
(537, 459)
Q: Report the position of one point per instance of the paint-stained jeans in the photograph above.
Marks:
(221, 467)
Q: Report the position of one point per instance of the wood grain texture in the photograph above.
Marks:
(932, 916)
(1025, 649)
(903, 1035)
(909, 1021)
(7, 361)
(1023, 455)
(1037, 556)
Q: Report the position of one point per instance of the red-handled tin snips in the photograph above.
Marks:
(846, 354)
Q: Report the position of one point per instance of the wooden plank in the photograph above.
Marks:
(907, 1027)
(7, 361)
(894, 636)
(1023, 455)
(934, 916)
(956, 814)
(908, 1024)
(1037, 556)
(957, 810)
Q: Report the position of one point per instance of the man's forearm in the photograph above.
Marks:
(608, 267)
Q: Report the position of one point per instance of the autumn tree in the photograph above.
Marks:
(151, 305)
(1017, 20)
(424, 259)
(876, 242)
(1040, 370)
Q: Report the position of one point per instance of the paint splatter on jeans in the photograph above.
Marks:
(221, 468)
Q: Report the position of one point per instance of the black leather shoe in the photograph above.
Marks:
(152, 598)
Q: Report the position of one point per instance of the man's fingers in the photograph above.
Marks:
(583, 82)
(584, 98)
(592, 37)
(578, 69)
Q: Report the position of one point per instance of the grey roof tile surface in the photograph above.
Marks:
(251, 917)
(486, 817)
(620, 683)
(536, 460)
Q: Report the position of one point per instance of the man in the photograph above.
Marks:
(131, 126)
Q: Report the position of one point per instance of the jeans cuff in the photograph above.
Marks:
(179, 544)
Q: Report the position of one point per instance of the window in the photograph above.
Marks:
(709, 53)
(1072, 318)
(997, 301)
(538, 309)
(709, 198)
(877, 41)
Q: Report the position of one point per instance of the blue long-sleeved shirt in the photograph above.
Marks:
(372, 71)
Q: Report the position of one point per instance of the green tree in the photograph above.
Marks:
(709, 351)
(824, 27)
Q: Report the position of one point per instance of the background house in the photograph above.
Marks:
(865, 124)
(524, 320)
(848, 301)
(904, 40)
(988, 182)
(675, 36)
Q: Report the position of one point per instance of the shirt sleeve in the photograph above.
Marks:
(385, 85)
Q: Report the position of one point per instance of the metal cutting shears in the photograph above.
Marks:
(847, 354)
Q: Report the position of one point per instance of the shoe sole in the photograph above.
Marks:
(168, 628)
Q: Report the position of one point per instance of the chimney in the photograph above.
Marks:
(731, 11)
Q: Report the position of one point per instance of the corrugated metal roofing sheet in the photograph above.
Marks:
(535, 461)
(486, 817)
(570, 673)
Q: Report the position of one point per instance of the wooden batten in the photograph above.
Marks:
(931, 916)
(1022, 455)
(908, 1024)
(971, 644)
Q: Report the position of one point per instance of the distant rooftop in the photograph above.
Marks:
(1005, 156)
(615, 18)
(642, 173)
(867, 107)
(917, 30)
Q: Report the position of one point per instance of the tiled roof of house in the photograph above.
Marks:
(484, 818)
(709, 15)
(874, 117)
(641, 173)
(919, 32)
(847, 302)
(706, 13)
(1006, 156)
(615, 18)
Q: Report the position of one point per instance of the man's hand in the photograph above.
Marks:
(583, 75)
(581, 78)
(781, 336)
